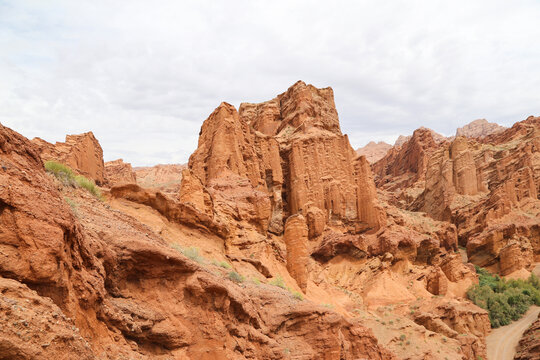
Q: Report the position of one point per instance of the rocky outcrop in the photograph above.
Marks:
(479, 128)
(284, 156)
(295, 237)
(374, 151)
(187, 213)
(33, 327)
(118, 172)
(164, 177)
(81, 152)
(489, 189)
(406, 165)
(334, 244)
(529, 345)
(103, 285)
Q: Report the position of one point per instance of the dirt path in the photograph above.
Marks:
(502, 342)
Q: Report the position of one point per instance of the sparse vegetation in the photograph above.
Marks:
(298, 295)
(61, 172)
(505, 300)
(236, 277)
(222, 264)
(191, 252)
(74, 206)
(329, 306)
(278, 281)
(402, 337)
(67, 177)
(88, 184)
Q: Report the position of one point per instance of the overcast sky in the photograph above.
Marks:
(144, 75)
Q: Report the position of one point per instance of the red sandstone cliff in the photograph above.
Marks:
(118, 172)
(80, 152)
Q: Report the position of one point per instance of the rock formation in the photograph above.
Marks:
(296, 233)
(80, 152)
(165, 178)
(275, 244)
(118, 172)
(374, 151)
(289, 154)
(478, 129)
(82, 279)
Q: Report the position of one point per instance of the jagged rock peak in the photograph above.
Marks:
(374, 151)
(301, 106)
(479, 128)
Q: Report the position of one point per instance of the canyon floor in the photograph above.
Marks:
(277, 240)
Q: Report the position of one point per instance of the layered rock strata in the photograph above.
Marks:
(82, 153)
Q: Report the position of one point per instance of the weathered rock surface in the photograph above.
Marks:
(479, 128)
(489, 189)
(164, 177)
(296, 236)
(128, 293)
(405, 166)
(118, 172)
(80, 152)
(286, 155)
(374, 151)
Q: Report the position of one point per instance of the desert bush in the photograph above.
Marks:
(192, 252)
(278, 281)
(222, 264)
(61, 172)
(505, 300)
(236, 277)
(67, 177)
(89, 185)
(298, 295)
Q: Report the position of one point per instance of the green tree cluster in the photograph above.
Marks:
(505, 300)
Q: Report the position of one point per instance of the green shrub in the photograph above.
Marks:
(222, 264)
(89, 185)
(61, 172)
(236, 277)
(298, 295)
(68, 178)
(278, 281)
(192, 252)
(74, 206)
(505, 300)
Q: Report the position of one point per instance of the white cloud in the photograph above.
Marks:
(143, 76)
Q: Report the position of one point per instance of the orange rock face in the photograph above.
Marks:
(80, 152)
(91, 282)
(118, 172)
(288, 153)
(296, 233)
(487, 185)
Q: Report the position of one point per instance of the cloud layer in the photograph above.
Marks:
(144, 75)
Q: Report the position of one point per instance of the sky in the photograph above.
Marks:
(144, 75)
